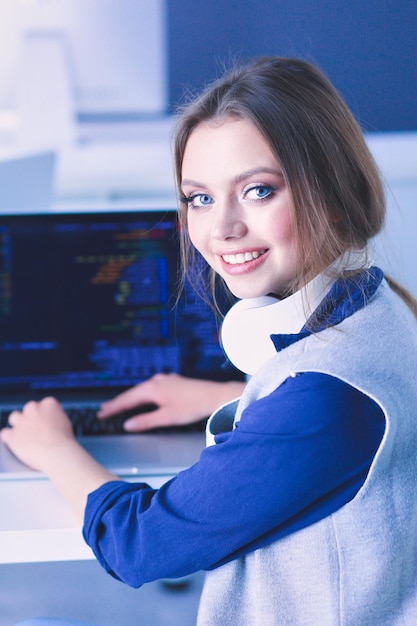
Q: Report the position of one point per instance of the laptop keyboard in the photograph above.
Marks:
(85, 423)
(84, 420)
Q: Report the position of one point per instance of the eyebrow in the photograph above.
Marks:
(257, 170)
(240, 177)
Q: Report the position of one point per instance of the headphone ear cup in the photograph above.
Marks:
(246, 330)
(248, 326)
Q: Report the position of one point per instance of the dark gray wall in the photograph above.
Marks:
(368, 48)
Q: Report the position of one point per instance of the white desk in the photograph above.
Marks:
(36, 523)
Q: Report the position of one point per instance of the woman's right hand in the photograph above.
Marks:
(179, 400)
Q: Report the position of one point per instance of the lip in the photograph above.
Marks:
(246, 266)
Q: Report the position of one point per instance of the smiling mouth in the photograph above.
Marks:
(242, 257)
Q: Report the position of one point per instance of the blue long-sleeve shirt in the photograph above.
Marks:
(294, 457)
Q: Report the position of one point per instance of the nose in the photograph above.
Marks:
(228, 222)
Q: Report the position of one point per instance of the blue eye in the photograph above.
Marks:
(202, 199)
(197, 200)
(263, 192)
(259, 192)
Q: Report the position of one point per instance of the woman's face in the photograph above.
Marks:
(239, 215)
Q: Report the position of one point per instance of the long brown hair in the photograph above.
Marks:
(338, 200)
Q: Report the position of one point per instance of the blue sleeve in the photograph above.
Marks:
(295, 457)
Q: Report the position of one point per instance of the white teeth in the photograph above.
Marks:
(242, 257)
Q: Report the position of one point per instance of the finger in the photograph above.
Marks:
(126, 400)
(8, 434)
(4, 434)
(147, 421)
(13, 417)
(29, 404)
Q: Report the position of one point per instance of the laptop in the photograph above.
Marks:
(89, 307)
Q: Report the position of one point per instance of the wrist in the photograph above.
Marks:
(56, 454)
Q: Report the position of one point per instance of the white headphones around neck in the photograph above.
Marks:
(248, 326)
(246, 330)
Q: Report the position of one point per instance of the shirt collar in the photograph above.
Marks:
(294, 311)
(344, 297)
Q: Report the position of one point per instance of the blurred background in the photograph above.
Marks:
(88, 89)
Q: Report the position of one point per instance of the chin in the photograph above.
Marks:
(243, 294)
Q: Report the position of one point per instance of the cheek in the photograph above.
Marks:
(281, 229)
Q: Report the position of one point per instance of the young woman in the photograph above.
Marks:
(304, 510)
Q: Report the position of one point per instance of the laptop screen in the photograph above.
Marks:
(88, 302)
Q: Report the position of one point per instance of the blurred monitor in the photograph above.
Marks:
(26, 183)
(115, 52)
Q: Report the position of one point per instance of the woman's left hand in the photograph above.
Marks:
(41, 436)
(37, 432)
